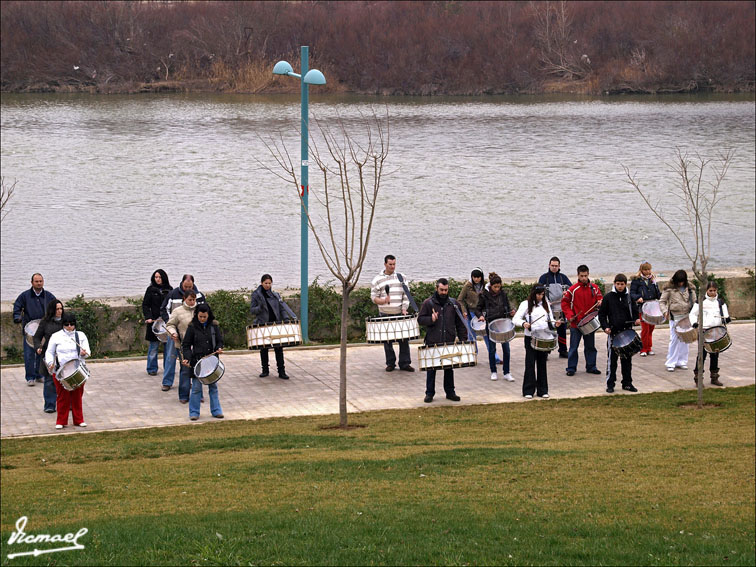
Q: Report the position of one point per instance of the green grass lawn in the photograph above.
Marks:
(637, 480)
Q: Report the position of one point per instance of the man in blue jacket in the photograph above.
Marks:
(31, 305)
(556, 284)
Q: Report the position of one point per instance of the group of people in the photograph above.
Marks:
(553, 304)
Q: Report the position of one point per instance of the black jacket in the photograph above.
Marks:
(618, 312)
(495, 306)
(641, 287)
(153, 299)
(259, 307)
(447, 328)
(42, 337)
(198, 340)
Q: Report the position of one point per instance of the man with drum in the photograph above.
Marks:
(556, 283)
(390, 294)
(619, 313)
(444, 323)
(581, 299)
(30, 306)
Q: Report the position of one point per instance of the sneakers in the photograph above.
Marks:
(48, 410)
(82, 424)
(166, 388)
(494, 376)
(651, 353)
(30, 382)
(683, 366)
(219, 416)
(194, 417)
(644, 354)
(528, 396)
(152, 373)
(59, 426)
(630, 388)
(508, 377)
(670, 368)
(428, 399)
(407, 368)
(183, 401)
(453, 397)
(610, 389)
(545, 396)
(570, 373)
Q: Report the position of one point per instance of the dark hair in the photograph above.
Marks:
(50, 310)
(203, 308)
(476, 273)
(166, 284)
(68, 317)
(442, 281)
(680, 277)
(583, 268)
(712, 285)
(532, 301)
(266, 277)
(36, 274)
(493, 278)
(388, 257)
(190, 293)
(620, 278)
(555, 259)
(187, 277)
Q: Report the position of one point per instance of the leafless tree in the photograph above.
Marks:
(693, 201)
(559, 53)
(351, 170)
(6, 192)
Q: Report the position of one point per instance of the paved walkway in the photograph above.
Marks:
(120, 394)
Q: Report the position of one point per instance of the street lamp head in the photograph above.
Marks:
(313, 77)
(282, 68)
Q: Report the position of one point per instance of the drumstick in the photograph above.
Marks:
(388, 294)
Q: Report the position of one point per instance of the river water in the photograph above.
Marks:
(112, 187)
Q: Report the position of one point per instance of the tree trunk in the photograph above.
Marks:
(703, 279)
(343, 358)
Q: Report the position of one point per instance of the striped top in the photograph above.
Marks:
(399, 299)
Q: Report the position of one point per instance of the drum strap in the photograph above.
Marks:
(78, 345)
(212, 336)
(407, 291)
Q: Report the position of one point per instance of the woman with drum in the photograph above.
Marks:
(643, 289)
(268, 307)
(493, 304)
(50, 324)
(202, 338)
(715, 314)
(535, 316)
(177, 325)
(676, 302)
(468, 300)
(65, 346)
(156, 292)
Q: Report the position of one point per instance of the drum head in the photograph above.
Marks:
(206, 366)
(624, 338)
(69, 368)
(684, 324)
(714, 334)
(543, 334)
(651, 308)
(501, 325)
(477, 324)
(587, 318)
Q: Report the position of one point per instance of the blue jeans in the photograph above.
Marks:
(194, 400)
(31, 363)
(589, 350)
(504, 357)
(152, 356)
(169, 363)
(471, 336)
(48, 393)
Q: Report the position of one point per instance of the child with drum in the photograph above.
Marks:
(617, 315)
(202, 338)
(715, 316)
(676, 301)
(67, 347)
(645, 292)
(493, 304)
(535, 316)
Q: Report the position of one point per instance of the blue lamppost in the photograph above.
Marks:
(308, 77)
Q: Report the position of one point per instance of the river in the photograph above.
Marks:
(112, 187)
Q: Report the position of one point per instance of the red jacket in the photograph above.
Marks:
(579, 300)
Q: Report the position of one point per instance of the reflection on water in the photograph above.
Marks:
(112, 187)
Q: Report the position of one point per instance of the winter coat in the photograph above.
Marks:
(153, 300)
(261, 308)
(495, 306)
(677, 303)
(176, 298)
(46, 329)
(198, 340)
(540, 318)
(644, 288)
(715, 313)
(448, 327)
(554, 295)
(63, 347)
(30, 306)
(618, 312)
(180, 319)
(468, 297)
(578, 301)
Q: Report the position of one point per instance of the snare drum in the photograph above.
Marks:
(448, 355)
(209, 369)
(651, 313)
(501, 330)
(627, 344)
(391, 329)
(274, 334)
(73, 374)
(478, 327)
(160, 330)
(544, 340)
(589, 324)
(29, 330)
(717, 339)
(685, 331)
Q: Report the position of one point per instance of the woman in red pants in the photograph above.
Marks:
(66, 345)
